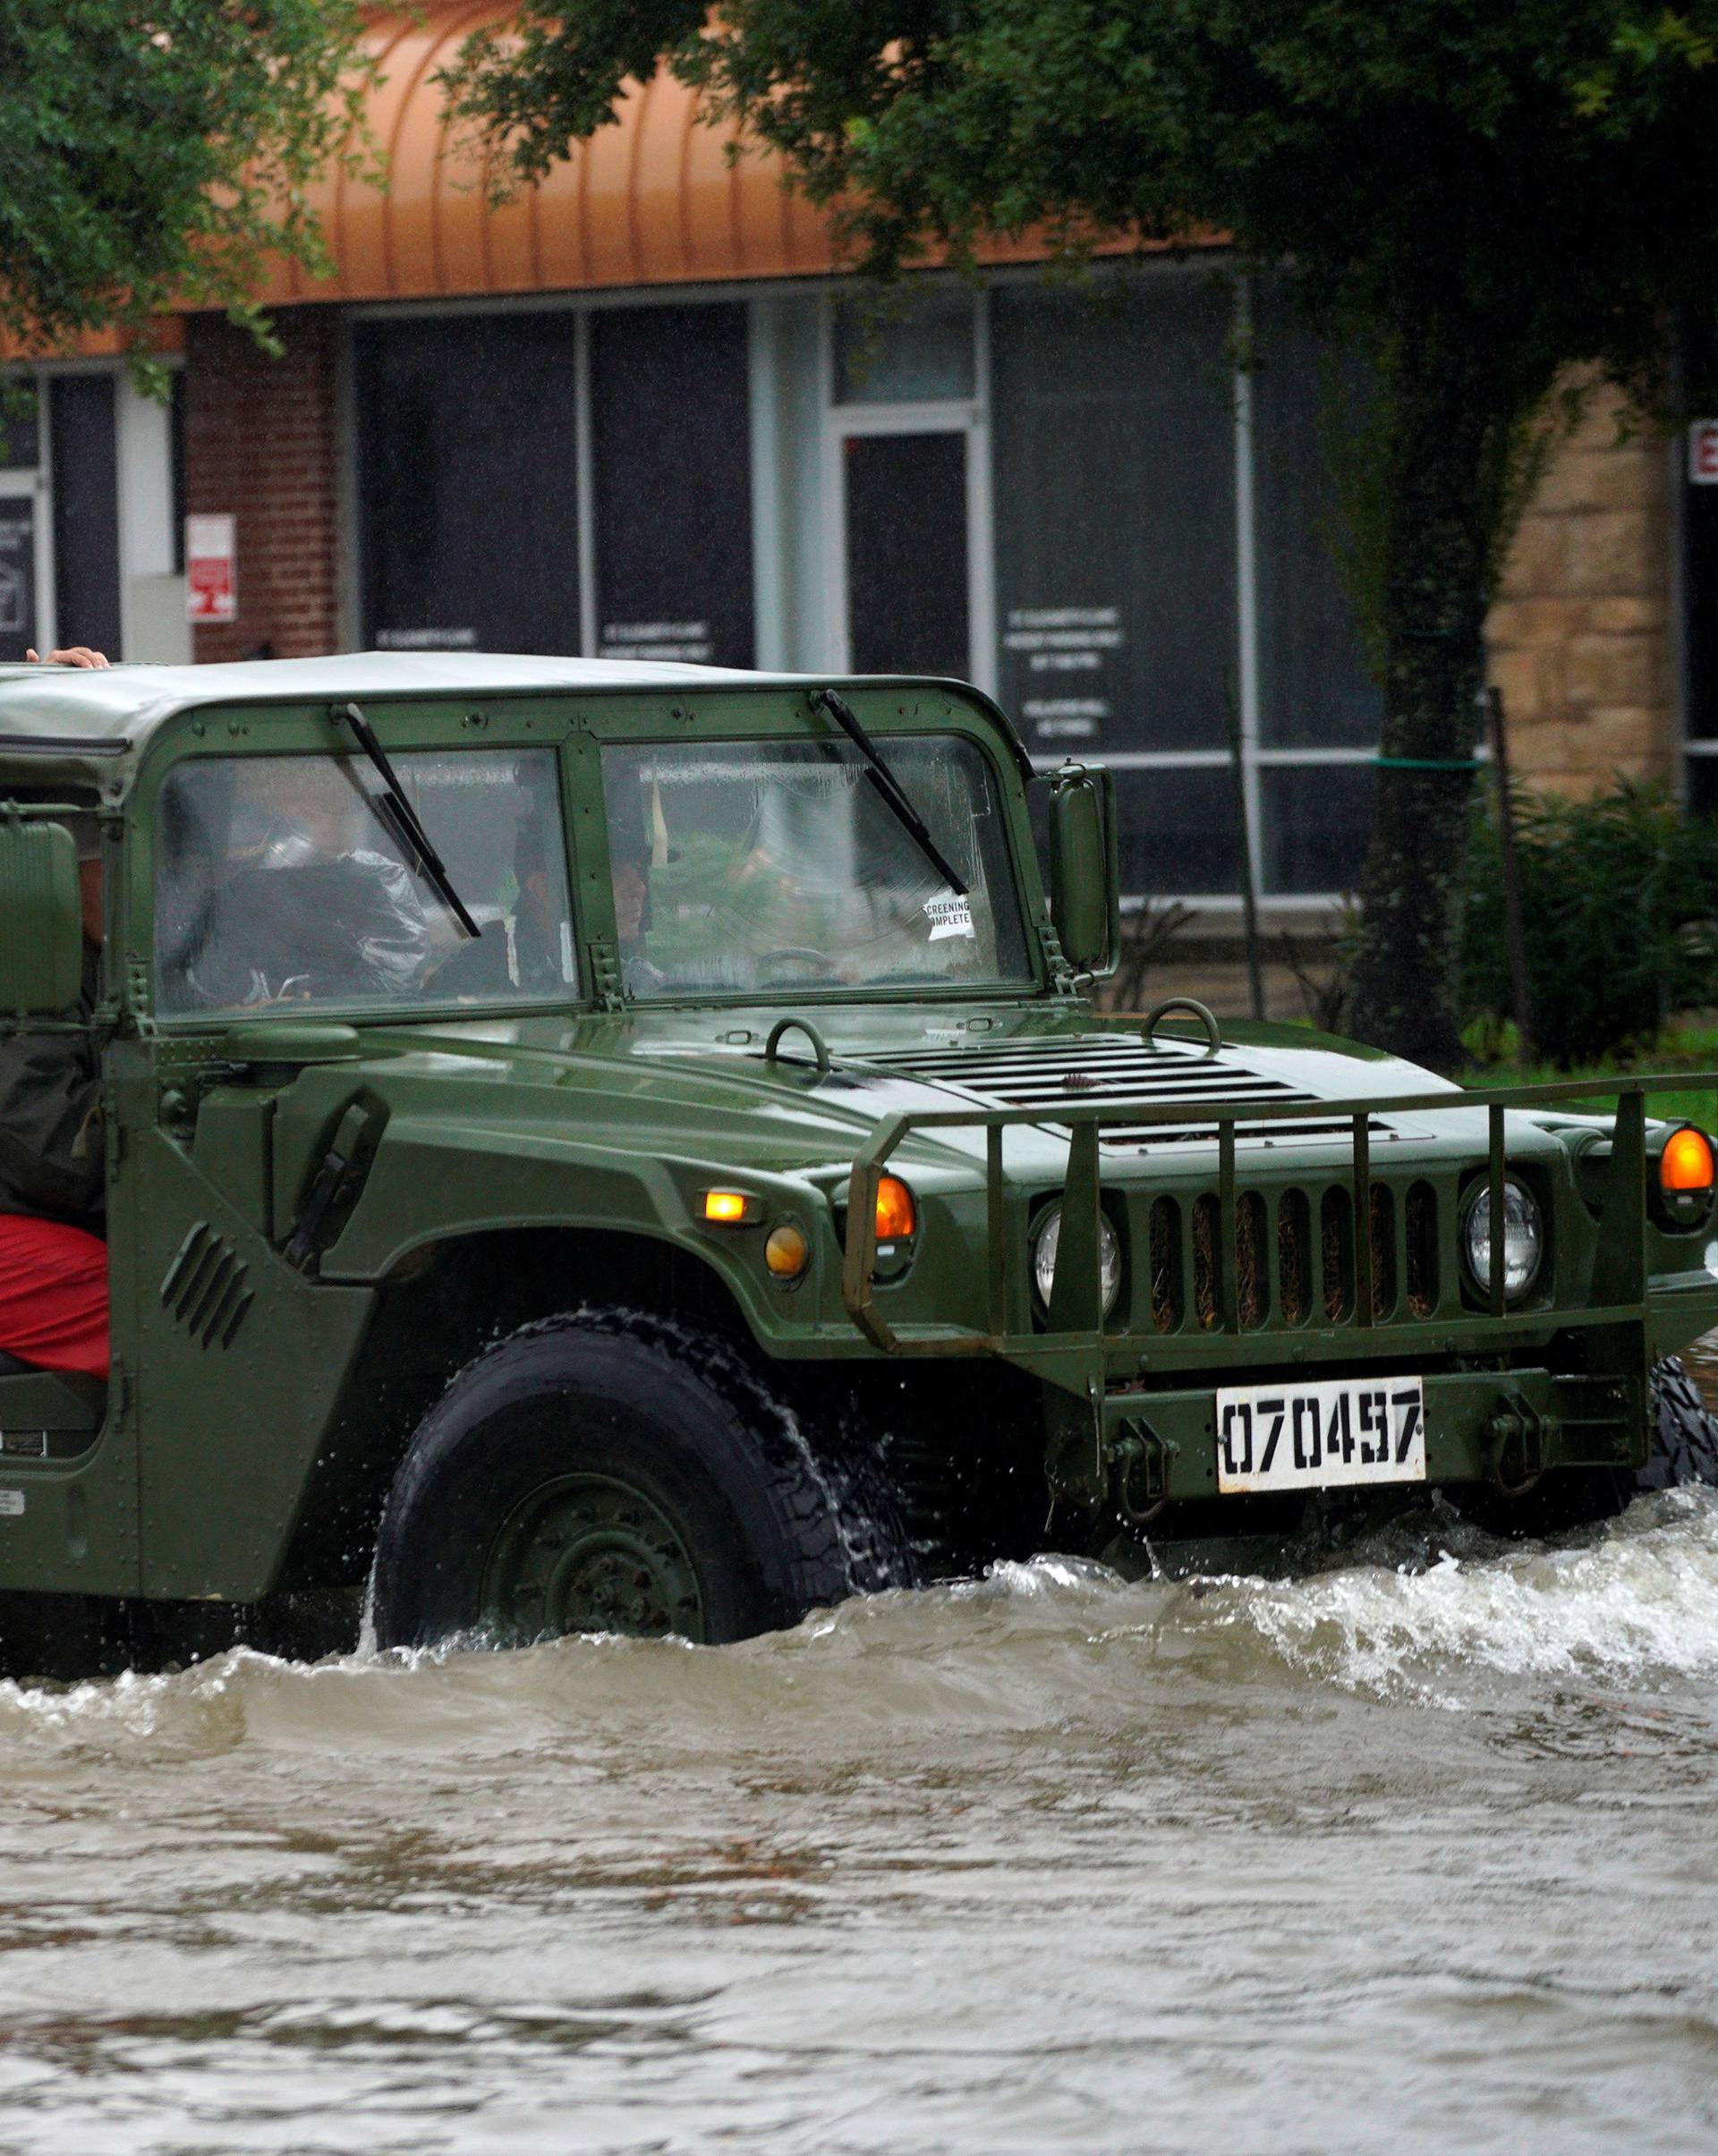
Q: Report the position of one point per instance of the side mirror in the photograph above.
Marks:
(1085, 868)
(41, 920)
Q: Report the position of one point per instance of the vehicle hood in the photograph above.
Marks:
(700, 1085)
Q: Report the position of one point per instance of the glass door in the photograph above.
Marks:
(908, 537)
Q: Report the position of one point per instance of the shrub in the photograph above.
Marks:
(1618, 895)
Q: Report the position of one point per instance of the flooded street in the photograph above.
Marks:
(1410, 1859)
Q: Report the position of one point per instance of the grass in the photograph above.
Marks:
(1691, 1045)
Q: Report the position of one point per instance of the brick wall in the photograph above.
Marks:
(1582, 636)
(261, 443)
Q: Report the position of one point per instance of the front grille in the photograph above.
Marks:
(1293, 1256)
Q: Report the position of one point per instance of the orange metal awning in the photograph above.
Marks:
(654, 199)
(650, 201)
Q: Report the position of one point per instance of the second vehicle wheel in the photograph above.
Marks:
(1684, 1437)
(596, 1473)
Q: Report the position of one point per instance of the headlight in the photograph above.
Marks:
(1523, 1239)
(1045, 1241)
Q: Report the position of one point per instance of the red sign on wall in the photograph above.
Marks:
(1703, 454)
(211, 569)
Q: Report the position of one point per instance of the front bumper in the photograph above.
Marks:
(1508, 1427)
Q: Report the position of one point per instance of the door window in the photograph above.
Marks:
(285, 880)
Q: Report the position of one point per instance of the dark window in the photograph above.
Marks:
(467, 483)
(907, 553)
(903, 349)
(1315, 688)
(86, 510)
(18, 630)
(1115, 513)
(1180, 833)
(1317, 821)
(672, 475)
(20, 436)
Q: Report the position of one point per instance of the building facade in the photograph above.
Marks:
(639, 411)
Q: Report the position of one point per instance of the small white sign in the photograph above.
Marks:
(11, 1504)
(1703, 452)
(211, 569)
(949, 915)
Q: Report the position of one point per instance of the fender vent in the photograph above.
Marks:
(205, 1287)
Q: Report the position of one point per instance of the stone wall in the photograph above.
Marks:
(1582, 637)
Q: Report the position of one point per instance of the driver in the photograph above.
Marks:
(311, 906)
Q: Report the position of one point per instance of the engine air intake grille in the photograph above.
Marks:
(1109, 1066)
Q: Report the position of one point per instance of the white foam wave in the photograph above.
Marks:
(1640, 1597)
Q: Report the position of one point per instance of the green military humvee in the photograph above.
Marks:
(630, 1148)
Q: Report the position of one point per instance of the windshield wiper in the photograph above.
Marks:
(890, 787)
(401, 819)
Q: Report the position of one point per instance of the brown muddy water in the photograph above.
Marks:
(1416, 1853)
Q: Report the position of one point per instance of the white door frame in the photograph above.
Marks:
(969, 416)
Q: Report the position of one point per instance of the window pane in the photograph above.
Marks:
(1115, 513)
(1180, 833)
(1317, 823)
(904, 350)
(1315, 691)
(751, 866)
(672, 473)
(467, 487)
(20, 436)
(907, 604)
(18, 630)
(86, 511)
(278, 880)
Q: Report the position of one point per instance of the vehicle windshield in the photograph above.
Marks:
(277, 883)
(750, 867)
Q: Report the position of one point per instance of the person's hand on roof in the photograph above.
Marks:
(75, 655)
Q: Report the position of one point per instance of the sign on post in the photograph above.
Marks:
(1703, 452)
(211, 569)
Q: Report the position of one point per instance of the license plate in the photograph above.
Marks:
(1321, 1436)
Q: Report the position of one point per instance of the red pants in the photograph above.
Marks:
(53, 1295)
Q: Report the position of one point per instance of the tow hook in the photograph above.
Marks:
(1139, 1473)
(1517, 1436)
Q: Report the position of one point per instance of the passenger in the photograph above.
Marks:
(75, 655)
(53, 1176)
(523, 956)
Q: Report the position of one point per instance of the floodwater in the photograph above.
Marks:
(1416, 1853)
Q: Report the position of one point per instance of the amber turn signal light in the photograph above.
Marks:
(785, 1251)
(1685, 1167)
(726, 1209)
(894, 1216)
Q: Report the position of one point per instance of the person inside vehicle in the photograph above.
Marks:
(52, 1166)
(75, 655)
(523, 953)
(313, 903)
(53, 1176)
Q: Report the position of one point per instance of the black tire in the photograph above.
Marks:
(610, 1471)
(1684, 1437)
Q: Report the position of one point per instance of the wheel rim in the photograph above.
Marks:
(588, 1553)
